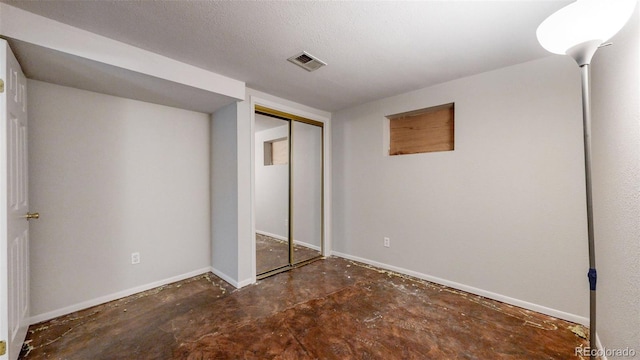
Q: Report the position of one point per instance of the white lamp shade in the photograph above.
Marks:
(584, 21)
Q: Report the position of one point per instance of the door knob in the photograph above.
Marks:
(32, 216)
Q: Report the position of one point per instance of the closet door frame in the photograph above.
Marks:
(270, 110)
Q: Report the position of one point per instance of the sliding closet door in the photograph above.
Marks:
(307, 190)
(288, 190)
(271, 193)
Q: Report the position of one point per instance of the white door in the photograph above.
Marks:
(14, 205)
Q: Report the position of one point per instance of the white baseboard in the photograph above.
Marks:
(488, 294)
(307, 245)
(245, 282)
(275, 236)
(599, 345)
(296, 242)
(233, 282)
(239, 284)
(115, 296)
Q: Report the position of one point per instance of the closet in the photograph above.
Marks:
(288, 190)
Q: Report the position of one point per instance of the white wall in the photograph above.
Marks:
(616, 187)
(224, 193)
(112, 176)
(272, 188)
(246, 231)
(503, 215)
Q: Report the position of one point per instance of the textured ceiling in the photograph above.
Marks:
(373, 49)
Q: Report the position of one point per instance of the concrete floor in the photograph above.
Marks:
(329, 309)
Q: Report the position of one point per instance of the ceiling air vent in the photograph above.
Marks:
(307, 61)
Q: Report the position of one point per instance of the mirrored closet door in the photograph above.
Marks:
(271, 193)
(307, 191)
(288, 191)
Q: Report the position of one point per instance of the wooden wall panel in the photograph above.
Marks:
(280, 152)
(421, 131)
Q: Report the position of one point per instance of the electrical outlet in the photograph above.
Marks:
(135, 258)
(387, 242)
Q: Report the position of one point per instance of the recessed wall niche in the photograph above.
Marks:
(276, 152)
(421, 131)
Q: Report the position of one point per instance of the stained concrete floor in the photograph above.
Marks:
(329, 309)
(272, 253)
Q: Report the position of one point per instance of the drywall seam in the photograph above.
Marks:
(470, 289)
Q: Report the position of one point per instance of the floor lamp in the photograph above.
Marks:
(578, 30)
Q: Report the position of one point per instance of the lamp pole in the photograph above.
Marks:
(578, 30)
(592, 274)
(582, 54)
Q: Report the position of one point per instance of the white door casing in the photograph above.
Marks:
(14, 236)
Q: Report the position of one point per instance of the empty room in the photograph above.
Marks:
(320, 179)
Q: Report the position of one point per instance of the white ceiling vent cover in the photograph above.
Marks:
(307, 61)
